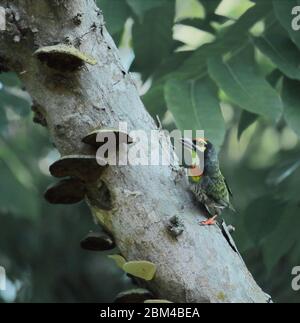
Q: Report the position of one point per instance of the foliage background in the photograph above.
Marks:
(229, 67)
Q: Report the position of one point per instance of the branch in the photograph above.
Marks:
(200, 265)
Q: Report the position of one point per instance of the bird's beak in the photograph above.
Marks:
(188, 143)
(201, 140)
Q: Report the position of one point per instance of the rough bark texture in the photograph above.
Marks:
(200, 266)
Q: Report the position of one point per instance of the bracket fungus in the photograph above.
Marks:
(99, 137)
(141, 269)
(64, 57)
(97, 241)
(67, 191)
(84, 167)
(156, 301)
(137, 295)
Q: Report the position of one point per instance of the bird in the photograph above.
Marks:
(208, 185)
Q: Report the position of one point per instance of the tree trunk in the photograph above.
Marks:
(198, 266)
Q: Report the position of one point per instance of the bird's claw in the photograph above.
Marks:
(210, 221)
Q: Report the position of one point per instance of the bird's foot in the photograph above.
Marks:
(210, 221)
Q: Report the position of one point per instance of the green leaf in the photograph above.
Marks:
(204, 24)
(274, 77)
(239, 79)
(16, 165)
(281, 50)
(254, 14)
(230, 40)
(291, 99)
(115, 13)
(219, 18)
(141, 269)
(282, 171)
(286, 235)
(12, 96)
(3, 119)
(154, 99)
(140, 7)
(198, 23)
(195, 106)
(15, 101)
(169, 66)
(155, 102)
(19, 195)
(210, 5)
(246, 120)
(153, 38)
(288, 180)
(262, 217)
(283, 12)
(10, 79)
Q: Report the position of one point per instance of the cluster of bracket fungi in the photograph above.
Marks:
(79, 174)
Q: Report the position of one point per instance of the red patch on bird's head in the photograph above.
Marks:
(195, 172)
(200, 140)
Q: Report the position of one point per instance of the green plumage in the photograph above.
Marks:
(212, 192)
(211, 188)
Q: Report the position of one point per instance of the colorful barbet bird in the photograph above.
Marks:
(209, 185)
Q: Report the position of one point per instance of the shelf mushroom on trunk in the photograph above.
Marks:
(84, 167)
(66, 191)
(63, 57)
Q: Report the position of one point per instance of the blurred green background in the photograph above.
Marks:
(230, 67)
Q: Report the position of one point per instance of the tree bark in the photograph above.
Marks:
(198, 266)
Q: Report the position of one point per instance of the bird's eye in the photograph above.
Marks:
(201, 144)
(202, 148)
